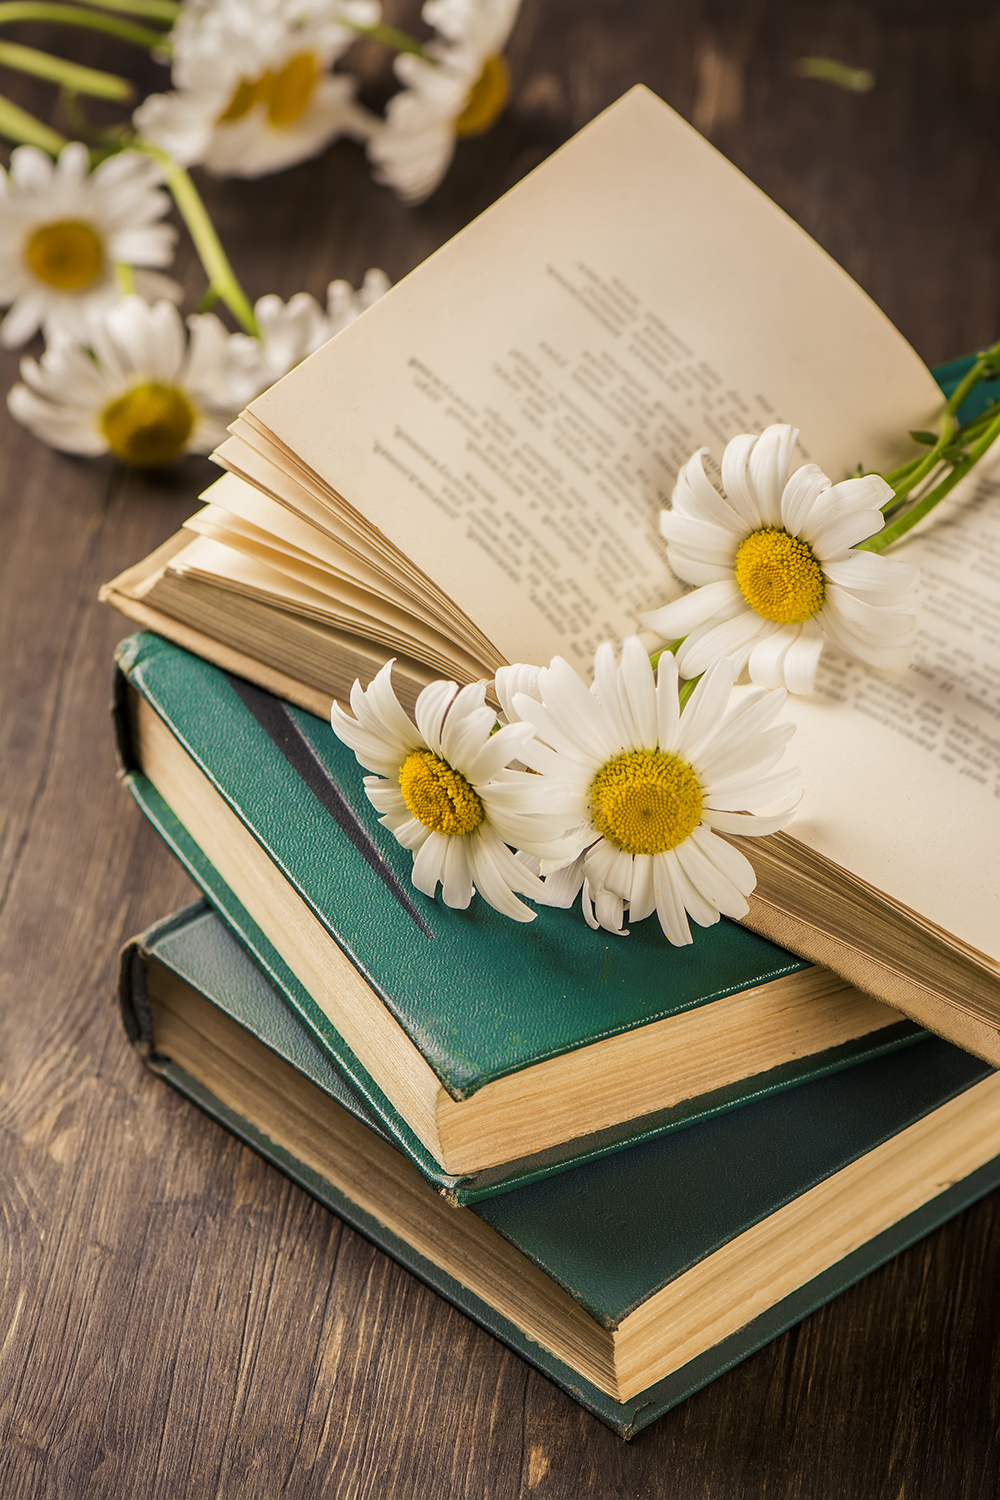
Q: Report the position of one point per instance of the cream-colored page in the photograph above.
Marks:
(902, 770)
(513, 414)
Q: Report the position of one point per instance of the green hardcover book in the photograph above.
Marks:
(632, 1280)
(499, 1053)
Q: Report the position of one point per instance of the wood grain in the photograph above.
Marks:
(175, 1318)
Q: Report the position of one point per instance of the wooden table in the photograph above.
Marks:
(175, 1318)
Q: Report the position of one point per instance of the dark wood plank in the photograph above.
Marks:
(175, 1318)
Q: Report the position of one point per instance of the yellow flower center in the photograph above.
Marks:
(487, 97)
(646, 801)
(285, 93)
(438, 795)
(149, 425)
(779, 576)
(66, 254)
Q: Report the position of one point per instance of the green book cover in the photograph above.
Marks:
(479, 999)
(631, 1231)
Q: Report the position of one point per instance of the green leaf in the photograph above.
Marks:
(930, 438)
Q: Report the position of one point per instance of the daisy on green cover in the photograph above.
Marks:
(778, 574)
(651, 787)
(446, 789)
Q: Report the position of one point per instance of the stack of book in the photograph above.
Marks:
(634, 1163)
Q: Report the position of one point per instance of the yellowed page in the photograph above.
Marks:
(902, 770)
(512, 415)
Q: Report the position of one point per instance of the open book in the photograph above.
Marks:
(472, 473)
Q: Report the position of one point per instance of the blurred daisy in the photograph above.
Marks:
(137, 388)
(254, 93)
(774, 557)
(444, 787)
(64, 228)
(291, 331)
(650, 787)
(458, 88)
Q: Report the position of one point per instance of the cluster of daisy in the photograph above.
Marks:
(119, 372)
(253, 91)
(615, 792)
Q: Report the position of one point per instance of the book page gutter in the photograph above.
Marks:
(902, 771)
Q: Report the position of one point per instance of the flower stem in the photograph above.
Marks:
(74, 15)
(17, 125)
(155, 10)
(389, 36)
(125, 277)
(221, 276)
(926, 504)
(69, 75)
(687, 687)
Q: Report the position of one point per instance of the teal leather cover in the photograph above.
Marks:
(616, 1230)
(479, 997)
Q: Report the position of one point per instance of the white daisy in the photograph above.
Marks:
(291, 331)
(650, 787)
(64, 228)
(445, 788)
(457, 89)
(137, 388)
(775, 559)
(254, 93)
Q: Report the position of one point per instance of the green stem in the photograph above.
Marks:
(74, 15)
(672, 647)
(17, 125)
(389, 36)
(125, 277)
(687, 688)
(154, 10)
(926, 504)
(68, 74)
(221, 276)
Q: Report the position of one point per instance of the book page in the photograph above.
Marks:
(512, 416)
(902, 770)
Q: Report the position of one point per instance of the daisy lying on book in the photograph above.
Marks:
(777, 560)
(630, 791)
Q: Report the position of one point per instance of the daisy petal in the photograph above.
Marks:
(642, 900)
(710, 882)
(800, 494)
(730, 638)
(766, 662)
(668, 713)
(704, 708)
(669, 902)
(767, 469)
(429, 712)
(638, 690)
(690, 610)
(843, 531)
(802, 659)
(748, 825)
(733, 864)
(734, 479)
(428, 866)
(456, 879)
